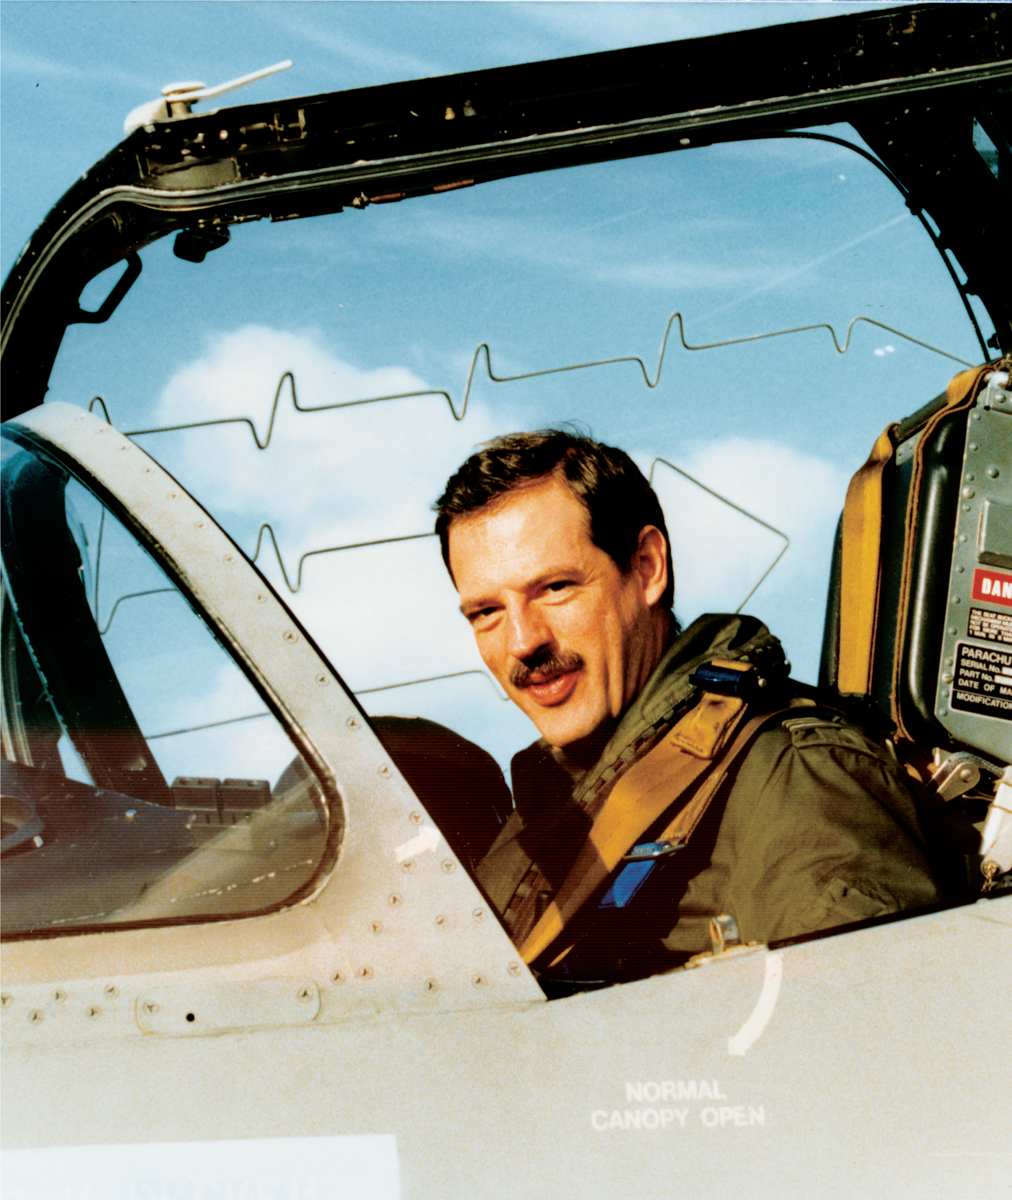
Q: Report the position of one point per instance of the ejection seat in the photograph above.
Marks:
(919, 619)
(460, 784)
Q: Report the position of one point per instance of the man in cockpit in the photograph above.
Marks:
(679, 774)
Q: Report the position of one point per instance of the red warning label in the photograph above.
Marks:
(992, 586)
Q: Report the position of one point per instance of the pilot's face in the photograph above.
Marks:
(568, 636)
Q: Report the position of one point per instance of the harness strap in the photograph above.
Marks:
(861, 569)
(664, 777)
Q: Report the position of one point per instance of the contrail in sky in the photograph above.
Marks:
(765, 287)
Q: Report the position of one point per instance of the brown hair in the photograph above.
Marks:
(606, 481)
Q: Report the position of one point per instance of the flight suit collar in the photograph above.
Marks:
(713, 635)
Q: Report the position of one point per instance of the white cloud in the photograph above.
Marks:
(783, 486)
(721, 554)
(327, 478)
(244, 365)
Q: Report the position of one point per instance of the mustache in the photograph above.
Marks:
(544, 662)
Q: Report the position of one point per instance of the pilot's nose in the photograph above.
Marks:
(527, 631)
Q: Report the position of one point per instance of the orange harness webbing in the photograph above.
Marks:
(714, 729)
(861, 569)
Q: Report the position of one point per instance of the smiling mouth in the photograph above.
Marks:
(548, 679)
(553, 690)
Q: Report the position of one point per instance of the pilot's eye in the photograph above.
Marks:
(559, 585)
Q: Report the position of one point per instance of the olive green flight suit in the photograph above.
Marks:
(814, 827)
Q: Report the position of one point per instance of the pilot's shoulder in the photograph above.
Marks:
(823, 745)
(810, 729)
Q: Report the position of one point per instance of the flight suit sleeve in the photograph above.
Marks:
(831, 835)
(819, 829)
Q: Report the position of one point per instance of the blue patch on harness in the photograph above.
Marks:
(633, 875)
(626, 884)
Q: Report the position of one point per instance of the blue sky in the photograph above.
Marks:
(548, 271)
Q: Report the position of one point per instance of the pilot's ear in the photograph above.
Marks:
(651, 563)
